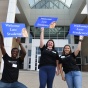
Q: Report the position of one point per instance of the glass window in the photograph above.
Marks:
(32, 2)
(47, 5)
(22, 40)
(87, 60)
(35, 64)
(61, 5)
(63, 1)
(56, 48)
(29, 60)
(50, 4)
(84, 11)
(30, 38)
(60, 53)
(29, 52)
(60, 48)
(56, 2)
(36, 50)
(76, 39)
(72, 47)
(59, 32)
(39, 52)
(68, 3)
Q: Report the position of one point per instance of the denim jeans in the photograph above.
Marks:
(74, 79)
(46, 76)
(12, 85)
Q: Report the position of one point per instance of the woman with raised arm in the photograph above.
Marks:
(48, 62)
(72, 72)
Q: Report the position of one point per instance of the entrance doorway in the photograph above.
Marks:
(38, 59)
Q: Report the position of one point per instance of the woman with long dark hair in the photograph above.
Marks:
(72, 72)
(48, 62)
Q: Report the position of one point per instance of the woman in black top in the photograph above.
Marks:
(68, 62)
(48, 62)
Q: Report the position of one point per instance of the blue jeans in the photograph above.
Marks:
(12, 85)
(46, 76)
(74, 79)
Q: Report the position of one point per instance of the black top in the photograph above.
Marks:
(11, 69)
(69, 62)
(48, 57)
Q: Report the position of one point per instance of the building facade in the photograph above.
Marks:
(27, 12)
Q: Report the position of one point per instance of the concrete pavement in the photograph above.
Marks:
(31, 80)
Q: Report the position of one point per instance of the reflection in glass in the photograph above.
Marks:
(59, 32)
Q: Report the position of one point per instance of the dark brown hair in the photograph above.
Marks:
(53, 43)
(63, 53)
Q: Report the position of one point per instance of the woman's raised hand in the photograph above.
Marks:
(81, 37)
(18, 40)
(42, 29)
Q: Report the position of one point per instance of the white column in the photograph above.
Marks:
(33, 53)
(72, 39)
(26, 61)
(10, 19)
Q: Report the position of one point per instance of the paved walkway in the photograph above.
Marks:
(30, 79)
